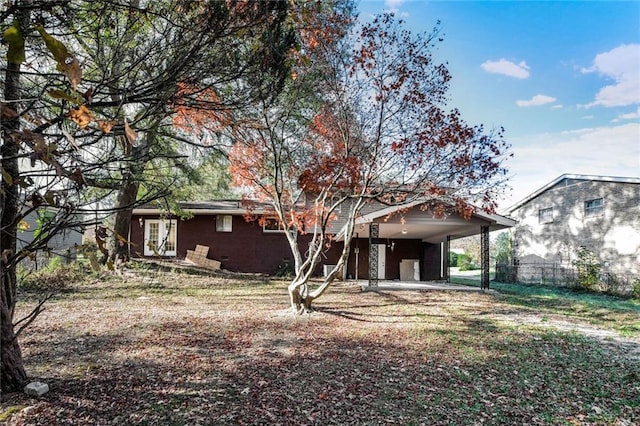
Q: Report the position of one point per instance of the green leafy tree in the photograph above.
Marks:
(90, 90)
(466, 263)
(503, 248)
(206, 181)
(152, 63)
(453, 259)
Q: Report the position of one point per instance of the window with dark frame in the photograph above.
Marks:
(545, 215)
(271, 224)
(594, 208)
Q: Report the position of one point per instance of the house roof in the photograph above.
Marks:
(559, 179)
(413, 223)
(205, 207)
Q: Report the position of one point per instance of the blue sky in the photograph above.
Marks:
(562, 78)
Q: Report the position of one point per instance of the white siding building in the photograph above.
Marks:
(601, 213)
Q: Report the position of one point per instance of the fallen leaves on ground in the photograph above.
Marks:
(174, 348)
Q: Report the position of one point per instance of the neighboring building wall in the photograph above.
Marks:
(61, 244)
(553, 225)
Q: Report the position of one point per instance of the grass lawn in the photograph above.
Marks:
(601, 310)
(176, 348)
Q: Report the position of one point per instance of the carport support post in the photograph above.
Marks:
(374, 232)
(446, 267)
(484, 254)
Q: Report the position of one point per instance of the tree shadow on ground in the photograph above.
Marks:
(472, 372)
(363, 359)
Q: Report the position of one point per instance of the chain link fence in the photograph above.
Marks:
(558, 275)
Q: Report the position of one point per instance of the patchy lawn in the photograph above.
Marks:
(174, 348)
(620, 315)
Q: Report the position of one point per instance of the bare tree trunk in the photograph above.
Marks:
(295, 296)
(300, 296)
(12, 374)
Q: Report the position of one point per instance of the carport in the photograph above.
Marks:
(424, 238)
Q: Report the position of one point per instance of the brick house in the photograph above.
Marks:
(600, 213)
(411, 248)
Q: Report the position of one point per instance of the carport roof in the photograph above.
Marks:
(416, 223)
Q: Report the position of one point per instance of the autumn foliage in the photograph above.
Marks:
(374, 129)
(199, 111)
(332, 164)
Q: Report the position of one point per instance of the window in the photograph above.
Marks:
(545, 215)
(271, 224)
(160, 237)
(334, 199)
(593, 208)
(224, 223)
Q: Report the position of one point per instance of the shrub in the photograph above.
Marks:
(587, 268)
(635, 289)
(503, 248)
(613, 284)
(55, 277)
(284, 270)
(466, 263)
(453, 259)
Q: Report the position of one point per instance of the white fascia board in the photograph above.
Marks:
(369, 217)
(496, 219)
(197, 212)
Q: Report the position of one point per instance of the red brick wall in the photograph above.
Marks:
(431, 262)
(246, 249)
(249, 249)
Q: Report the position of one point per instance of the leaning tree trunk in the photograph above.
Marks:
(13, 374)
(119, 246)
(127, 194)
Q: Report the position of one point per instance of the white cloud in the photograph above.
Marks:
(394, 7)
(621, 66)
(392, 4)
(508, 68)
(557, 106)
(606, 151)
(631, 115)
(537, 100)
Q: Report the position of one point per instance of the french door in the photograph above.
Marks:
(160, 237)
